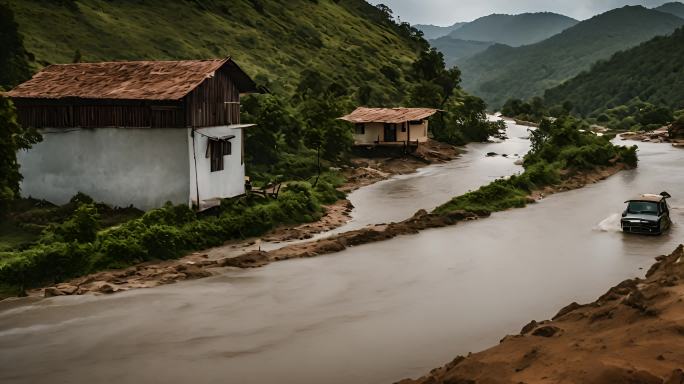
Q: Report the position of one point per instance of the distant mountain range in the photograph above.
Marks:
(501, 72)
(435, 31)
(652, 71)
(514, 30)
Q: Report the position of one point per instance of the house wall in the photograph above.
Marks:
(119, 166)
(375, 130)
(372, 132)
(214, 186)
(419, 131)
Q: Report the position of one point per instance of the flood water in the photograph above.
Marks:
(370, 314)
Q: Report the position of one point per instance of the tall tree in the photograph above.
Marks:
(12, 139)
(13, 57)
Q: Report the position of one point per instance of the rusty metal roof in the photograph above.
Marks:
(127, 80)
(388, 115)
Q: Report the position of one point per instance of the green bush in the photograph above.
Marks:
(163, 242)
(45, 264)
(81, 227)
(119, 252)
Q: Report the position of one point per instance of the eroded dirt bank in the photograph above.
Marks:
(198, 265)
(634, 333)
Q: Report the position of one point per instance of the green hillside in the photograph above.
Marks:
(349, 41)
(435, 31)
(675, 8)
(502, 72)
(514, 30)
(457, 49)
(652, 72)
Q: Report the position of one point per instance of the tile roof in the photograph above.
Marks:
(127, 80)
(388, 115)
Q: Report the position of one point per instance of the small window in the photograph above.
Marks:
(416, 122)
(360, 129)
(216, 150)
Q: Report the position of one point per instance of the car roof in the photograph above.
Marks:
(648, 197)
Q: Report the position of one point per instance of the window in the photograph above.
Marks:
(360, 129)
(416, 122)
(642, 207)
(216, 150)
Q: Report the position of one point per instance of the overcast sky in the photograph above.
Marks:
(446, 12)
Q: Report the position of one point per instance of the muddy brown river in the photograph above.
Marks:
(370, 314)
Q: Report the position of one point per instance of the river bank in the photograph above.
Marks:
(634, 333)
(364, 172)
(205, 264)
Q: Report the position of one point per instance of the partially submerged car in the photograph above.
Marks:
(647, 214)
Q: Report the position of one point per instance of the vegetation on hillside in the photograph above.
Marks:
(502, 72)
(558, 151)
(634, 89)
(514, 30)
(348, 42)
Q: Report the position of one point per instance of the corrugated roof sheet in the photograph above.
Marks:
(388, 115)
(127, 80)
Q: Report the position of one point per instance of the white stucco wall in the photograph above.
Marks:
(143, 167)
(220, 184)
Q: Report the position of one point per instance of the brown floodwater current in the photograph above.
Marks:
(374, 313)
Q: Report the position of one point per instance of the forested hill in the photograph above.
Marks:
(653, 72)
(349, 42)
(675, 8)
(502, 72)
(514, 30)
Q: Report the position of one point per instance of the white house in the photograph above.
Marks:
(389, 126)
(135, 133)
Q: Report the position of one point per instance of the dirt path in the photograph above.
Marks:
(632, 334)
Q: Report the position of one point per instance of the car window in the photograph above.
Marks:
(642, 207)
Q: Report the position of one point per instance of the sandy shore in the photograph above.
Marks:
(634, 333)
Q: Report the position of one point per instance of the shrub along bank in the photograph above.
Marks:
(78, 246)
(558, 151)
